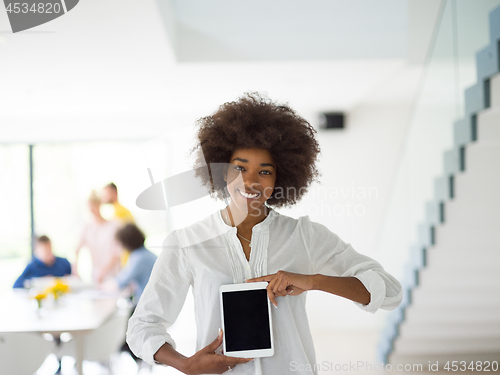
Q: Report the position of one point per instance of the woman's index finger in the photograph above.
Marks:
(261, 278)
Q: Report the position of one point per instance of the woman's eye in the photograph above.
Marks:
(239, 168)
(266, 172)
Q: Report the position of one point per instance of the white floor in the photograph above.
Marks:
(339, 351)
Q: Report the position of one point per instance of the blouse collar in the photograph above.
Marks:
(264, 224)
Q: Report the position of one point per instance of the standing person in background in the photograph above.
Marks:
(44, 263)
(120, 213)
(99, 237)
(110, 196)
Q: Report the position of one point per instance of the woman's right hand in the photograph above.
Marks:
(206, 361)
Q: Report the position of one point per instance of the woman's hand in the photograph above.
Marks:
(206, 361)
(283, 283)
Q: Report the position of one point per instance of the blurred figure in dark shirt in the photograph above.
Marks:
(44, 263)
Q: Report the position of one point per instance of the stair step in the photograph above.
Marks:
(446, 346)
(456, 296)
(494, 22)
(470, 232)
(463, 131)
(453, 256)
(480, 156)
(487, 62)
(474, 99)
(452, 161)
(458, 277)
(472, 218)
(495, 91)
(421, 315)
(457, 331)
(442, 188)
(466, 240)
(488, 123)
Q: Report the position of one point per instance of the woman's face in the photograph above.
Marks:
(256, 184)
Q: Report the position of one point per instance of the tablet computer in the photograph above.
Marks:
(246, 320)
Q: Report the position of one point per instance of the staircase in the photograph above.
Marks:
(451, 308)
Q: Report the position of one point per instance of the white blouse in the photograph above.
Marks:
(208, 254)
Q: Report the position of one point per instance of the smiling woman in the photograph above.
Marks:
(259, 155)
(255, 122)
(250, 178)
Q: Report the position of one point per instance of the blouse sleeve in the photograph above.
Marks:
(331, 256)
(161, 302)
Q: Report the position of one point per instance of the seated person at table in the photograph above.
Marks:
(140, 263)
(136, 272)
(44, 263)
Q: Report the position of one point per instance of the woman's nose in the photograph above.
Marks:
(250, 180)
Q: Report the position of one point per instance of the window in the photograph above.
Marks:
(63, 178)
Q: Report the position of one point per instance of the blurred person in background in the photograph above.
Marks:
(98, 236)
(138, 269)
(121, 214)
(110, 196)
(44, 263)
(135, 275)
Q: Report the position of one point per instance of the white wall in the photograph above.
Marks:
(358, 167)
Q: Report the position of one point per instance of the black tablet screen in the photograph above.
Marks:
(246, 320)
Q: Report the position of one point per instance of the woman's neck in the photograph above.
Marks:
(243, 220)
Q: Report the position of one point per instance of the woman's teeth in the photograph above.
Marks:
(248, 195)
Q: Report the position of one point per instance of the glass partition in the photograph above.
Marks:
(15, 227)
(461, 31)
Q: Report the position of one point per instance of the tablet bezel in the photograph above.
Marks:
(246, 353)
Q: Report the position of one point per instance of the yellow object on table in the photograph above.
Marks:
(57, 289)
(39, 298)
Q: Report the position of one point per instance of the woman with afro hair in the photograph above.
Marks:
(256, 155)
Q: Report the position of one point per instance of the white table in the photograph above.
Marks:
(77, 313)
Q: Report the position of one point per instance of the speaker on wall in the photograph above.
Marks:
(332, 120)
